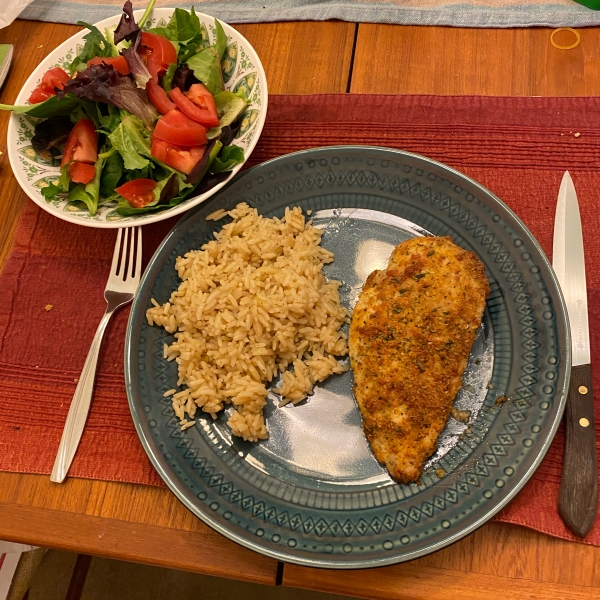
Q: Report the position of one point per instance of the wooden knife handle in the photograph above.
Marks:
(578, 495)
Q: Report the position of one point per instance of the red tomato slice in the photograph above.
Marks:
(53, 78)
(182, 159)
(158, 96)
(81, 172)
(161, 52)
(199, 95)
(175, 128)
(82, 143)
(205, 115)
(39, 95)
(118, 62)
(139, 192)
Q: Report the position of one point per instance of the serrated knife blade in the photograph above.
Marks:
(578, 495)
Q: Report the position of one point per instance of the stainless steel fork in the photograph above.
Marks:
(121, 287)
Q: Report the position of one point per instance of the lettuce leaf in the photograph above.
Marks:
(102, 83)
(50, 134)
(167, 188)
(228, 158)
(52, 190)
(200, 169)
(221, 41)
(79, 195)
(132, 140)
(88, 194)
(127, 28)
(184, 78)
(111, 120)
(136, 63)
(167, 80)
(206, 64)
(111, 174)
(183, 31)
(87, 110)
(95, 45)
(229, 107)
(48, 108)
(207, 68)
(183, 27)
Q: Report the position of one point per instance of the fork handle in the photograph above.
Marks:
(80, 405)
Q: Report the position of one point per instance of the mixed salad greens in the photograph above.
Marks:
(142, 118)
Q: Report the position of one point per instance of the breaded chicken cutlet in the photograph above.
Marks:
(410, 337)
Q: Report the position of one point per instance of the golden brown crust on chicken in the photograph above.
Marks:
(410, 338)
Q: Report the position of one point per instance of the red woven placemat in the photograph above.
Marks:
(517, 147)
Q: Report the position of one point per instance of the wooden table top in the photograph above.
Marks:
(149, 525)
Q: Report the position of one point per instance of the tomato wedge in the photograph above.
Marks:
(175, 128)
(182, 159)
(139, 192)
(158, 96)
(39, 95)
(118, 62)
(161, 52)
(56, 77)
(53, 78)
(82, 143)
(199, 95)
(205, 114)
(81, 172)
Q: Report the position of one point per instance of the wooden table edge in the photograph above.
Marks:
(205, 553)
(417, 582)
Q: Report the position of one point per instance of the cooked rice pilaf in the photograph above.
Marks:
(252, 303)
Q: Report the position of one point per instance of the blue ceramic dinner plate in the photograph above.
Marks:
(313, 494)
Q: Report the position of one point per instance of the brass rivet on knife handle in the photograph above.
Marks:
(578, 494)
(582, 389)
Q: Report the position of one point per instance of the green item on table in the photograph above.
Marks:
(6, 52)
(595, 4)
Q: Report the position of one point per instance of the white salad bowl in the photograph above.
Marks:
(241, 69)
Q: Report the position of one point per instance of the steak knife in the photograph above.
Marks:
(578, 494)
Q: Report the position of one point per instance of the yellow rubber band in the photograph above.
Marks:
(573, 45)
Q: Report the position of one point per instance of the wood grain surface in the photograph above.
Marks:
(121, 520)
(304, 57)
(149, 525)
(492, 62)
(189, 551)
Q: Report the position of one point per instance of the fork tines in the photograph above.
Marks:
(127, 257)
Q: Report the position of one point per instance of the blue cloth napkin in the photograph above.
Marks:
(457, 13)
